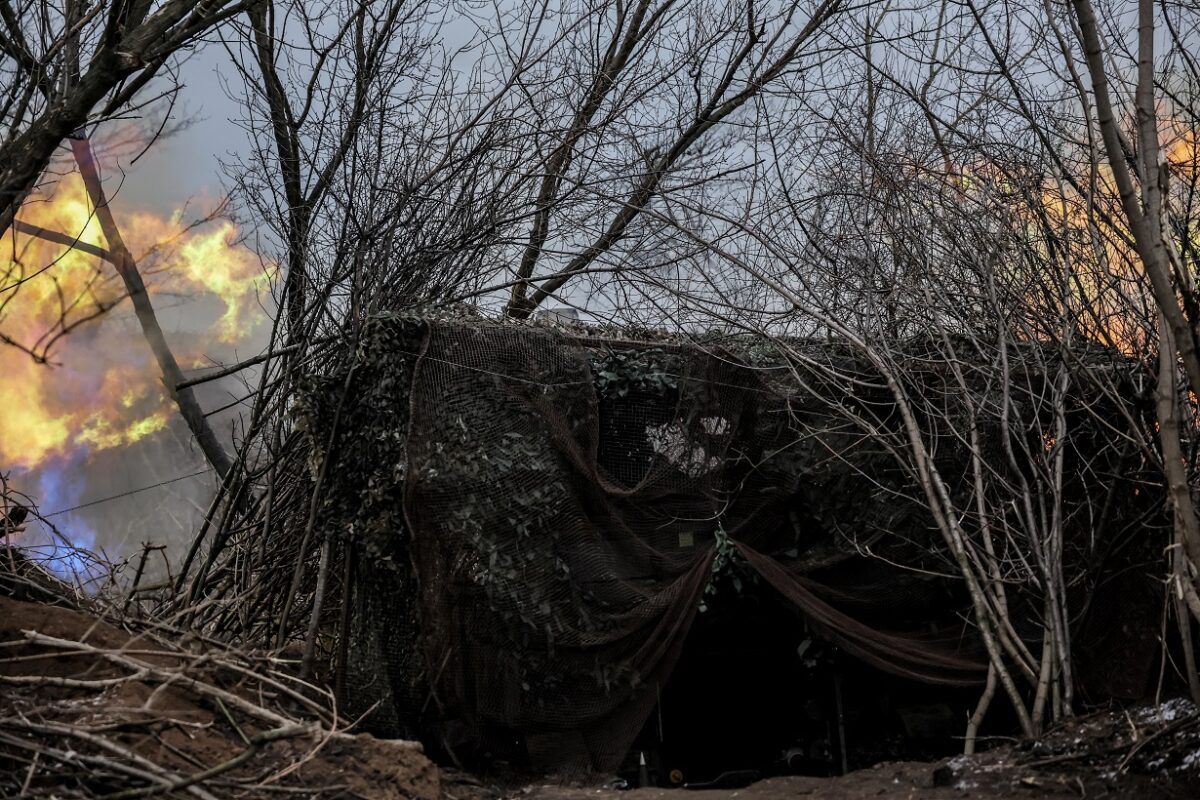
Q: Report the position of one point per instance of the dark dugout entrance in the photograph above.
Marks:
(758, 693)
(541, 516)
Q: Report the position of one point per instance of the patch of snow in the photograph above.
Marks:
(958, 762)
(1171, 710)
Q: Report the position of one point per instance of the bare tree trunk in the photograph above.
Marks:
(1144, 220)
(283, 127)
(1187, 527)
(126, 267)
(135, 41)
(981, 709)
(1183, 619)
(1183, 512)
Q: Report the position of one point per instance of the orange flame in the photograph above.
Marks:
(107, 392)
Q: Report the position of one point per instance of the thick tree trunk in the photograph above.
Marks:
(126, 267)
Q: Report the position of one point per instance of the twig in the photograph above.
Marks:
(1173, 727)
(256, 743)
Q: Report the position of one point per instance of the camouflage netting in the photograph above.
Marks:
(536, 516)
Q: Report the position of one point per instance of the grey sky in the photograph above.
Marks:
(185, 166)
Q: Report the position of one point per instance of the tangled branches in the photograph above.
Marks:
(94, 710)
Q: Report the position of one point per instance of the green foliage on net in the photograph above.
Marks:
(365, 402)
(618, 373)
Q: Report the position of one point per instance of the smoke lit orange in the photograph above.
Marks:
(101, 388)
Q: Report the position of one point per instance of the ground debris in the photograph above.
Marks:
(89, 709)
(1152, 748)
(1146, 751)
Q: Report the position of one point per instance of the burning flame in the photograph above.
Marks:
(1081, 224)
(99, 386)
(1108, 282)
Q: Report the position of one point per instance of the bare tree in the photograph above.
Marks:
(948, 182)
(399, 161)
(938, 191)
(69, 64)
(741, 56)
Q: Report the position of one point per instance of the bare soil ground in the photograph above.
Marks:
(900, 780)
(88, 709)
(1147, 752)
(985, 778)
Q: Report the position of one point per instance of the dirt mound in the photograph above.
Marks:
(90, 709)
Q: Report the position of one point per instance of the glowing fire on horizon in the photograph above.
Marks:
(1107, 295)
(99, 390)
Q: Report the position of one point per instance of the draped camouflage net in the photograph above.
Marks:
(526, 520)
(567, 505)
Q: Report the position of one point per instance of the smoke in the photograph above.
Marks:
(152, 494)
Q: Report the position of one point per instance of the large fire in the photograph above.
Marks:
(99, 386)
(1108, 293)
